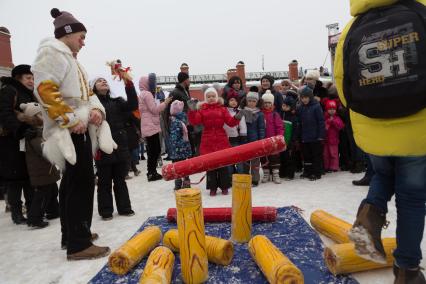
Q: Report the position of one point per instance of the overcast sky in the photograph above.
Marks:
(158, 35)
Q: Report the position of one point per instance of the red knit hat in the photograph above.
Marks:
(65, 23)
(330, 105)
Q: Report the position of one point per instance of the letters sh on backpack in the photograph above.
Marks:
(384, 59)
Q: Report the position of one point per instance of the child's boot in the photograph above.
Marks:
(266, 175)
(276, 176)
(213, 192)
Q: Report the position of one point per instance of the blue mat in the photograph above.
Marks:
(290, 233)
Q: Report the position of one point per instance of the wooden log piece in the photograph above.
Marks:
(218, 250)
(241, 208)
(342, 259)
(128, 255)
(276, 267)
(331, 226)
(159, 267)
(192, 243)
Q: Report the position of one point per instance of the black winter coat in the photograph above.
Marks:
(311, 124)
(179, 93)
(12, 161)
(116, 110)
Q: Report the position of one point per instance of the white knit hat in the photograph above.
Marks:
(210, 90)
(93, 81)
(313, 74)
(268, 97)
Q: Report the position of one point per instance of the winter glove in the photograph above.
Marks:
(239, 115)
(192, 104)
(247, 114)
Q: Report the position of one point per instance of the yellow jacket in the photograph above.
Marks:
(404, 136)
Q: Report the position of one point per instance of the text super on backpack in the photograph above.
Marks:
(384, 61)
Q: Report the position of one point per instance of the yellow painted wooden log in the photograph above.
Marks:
(331, 226)
(241, 208)
(131, 253)
(276, 267)
(192, 243)
(218, 250)
(159, 267)
(342, 259)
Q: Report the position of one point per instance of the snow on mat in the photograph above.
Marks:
(290, 233)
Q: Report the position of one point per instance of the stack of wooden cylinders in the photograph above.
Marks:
(159, 267)
(276, 267)
(218, 250)
(130, 254)
(241, 208)
(341, 258)
(192, 243)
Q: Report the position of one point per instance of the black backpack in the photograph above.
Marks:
(385, 61)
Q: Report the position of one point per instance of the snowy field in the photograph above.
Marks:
(35, 256)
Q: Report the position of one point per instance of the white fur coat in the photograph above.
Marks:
(55, 62)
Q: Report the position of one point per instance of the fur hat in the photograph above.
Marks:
(21, 70)
(176, 107)
(268, 97)
(65, 23)
(252, 96)
(31, 109)
(313, 74)
(269, 78)
(330, 104)
(182, 77)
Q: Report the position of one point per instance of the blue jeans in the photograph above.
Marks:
(406, 178)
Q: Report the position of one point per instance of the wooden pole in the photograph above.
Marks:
(331, 226)
(342, 259)
(159, 266)
(218, 250)
(192, 244)
(241, 208)
(276, 267)
(128, 255)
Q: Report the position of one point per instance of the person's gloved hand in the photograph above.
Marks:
(244, 112)
(192, 104)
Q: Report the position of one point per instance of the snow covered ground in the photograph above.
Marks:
(35, 256)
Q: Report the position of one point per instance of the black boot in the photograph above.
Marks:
(135, 170)
(38, 207)
(365, 181)
(408, 276)
(17, 216)
(154, 176)
(358, 167)
(178, 184)
(366, 233)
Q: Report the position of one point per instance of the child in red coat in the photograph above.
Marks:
(213, 115)
(333, 124)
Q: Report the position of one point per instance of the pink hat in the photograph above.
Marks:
(176, 107)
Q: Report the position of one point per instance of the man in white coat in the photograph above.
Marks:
(71, 115)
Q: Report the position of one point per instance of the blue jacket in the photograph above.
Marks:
(311, 122)
(256, 129)
(179, 148)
